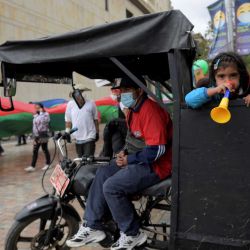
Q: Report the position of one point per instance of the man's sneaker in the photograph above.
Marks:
(129, 242)
(29, 169)
(46, 167)
(84, 236)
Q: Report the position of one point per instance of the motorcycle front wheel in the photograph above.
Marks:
(32, 233)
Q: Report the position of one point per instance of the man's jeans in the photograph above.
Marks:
(111, 190)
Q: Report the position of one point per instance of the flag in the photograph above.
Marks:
(218, 17)
(242, 19)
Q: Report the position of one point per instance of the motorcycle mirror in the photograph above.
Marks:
(9, 85)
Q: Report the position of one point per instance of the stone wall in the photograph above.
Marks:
(29, 19)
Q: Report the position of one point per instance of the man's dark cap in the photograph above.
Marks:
(126, 82)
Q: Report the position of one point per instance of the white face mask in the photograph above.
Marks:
(122, 107)
(113, 97)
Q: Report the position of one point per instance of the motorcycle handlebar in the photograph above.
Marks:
(64, 135)
(73, 130)
(95, 159)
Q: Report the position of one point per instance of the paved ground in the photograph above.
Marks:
(17, 187)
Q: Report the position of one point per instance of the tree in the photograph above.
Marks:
(209, 33)
(203, 43)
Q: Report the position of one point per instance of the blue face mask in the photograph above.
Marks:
(127, 99)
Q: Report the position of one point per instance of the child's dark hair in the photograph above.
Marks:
(224, 60)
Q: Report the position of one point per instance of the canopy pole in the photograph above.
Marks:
(125, 70)
(230, 27)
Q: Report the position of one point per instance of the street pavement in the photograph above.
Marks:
(17, 187)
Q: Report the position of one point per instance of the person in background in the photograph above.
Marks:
(19, 140)
(116, 96)
(86, 121)
(1, 150)
(115, 131)
(200, 71)
(40, 133)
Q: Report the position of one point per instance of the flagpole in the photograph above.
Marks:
(230, 26)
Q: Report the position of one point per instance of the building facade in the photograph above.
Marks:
(29, 19)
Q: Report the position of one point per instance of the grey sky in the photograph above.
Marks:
(196, 11)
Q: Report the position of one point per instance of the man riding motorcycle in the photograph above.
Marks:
(147, 161)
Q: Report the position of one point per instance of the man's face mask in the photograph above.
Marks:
(127, 99)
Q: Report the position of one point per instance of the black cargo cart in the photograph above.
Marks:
(210, 182)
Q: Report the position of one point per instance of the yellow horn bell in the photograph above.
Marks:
(221, 114)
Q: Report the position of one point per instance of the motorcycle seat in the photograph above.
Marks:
(159, 189)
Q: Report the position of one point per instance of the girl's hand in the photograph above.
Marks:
(220, 89)
(247, 100)
(223, 87)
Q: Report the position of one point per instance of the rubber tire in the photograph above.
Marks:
(18, 227)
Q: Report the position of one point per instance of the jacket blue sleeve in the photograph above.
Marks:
(148, 155)
(197, 97)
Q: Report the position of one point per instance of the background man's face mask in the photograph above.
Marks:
(115, 94)
(113, 97)
(127, 99)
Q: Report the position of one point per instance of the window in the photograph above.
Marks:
(129, 14)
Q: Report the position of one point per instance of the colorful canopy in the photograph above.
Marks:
(19, 121)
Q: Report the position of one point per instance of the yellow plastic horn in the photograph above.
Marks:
(221, 114)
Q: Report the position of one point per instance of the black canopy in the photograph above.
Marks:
(141, 43)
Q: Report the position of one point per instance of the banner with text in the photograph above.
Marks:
(218, 18)
(242, 18)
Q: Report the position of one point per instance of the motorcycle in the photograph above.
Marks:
(50, 220)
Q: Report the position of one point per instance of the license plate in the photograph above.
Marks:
(59, 180)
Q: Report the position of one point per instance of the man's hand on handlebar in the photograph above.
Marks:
(121, 159)
(66, 136)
